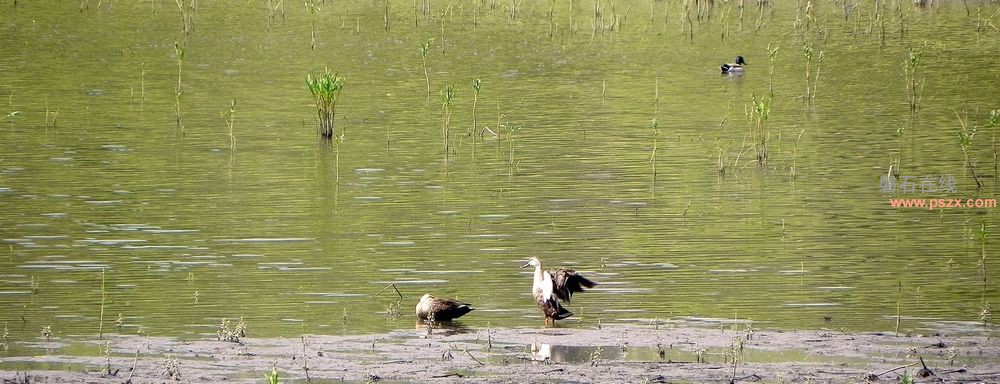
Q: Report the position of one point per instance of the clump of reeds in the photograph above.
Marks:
(595, 356)
(809, 52)
(757, 116)
(326, 89)
(272, 378)
(232, 332)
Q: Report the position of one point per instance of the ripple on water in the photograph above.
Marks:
(811, 304)
(170, 231)
(269, 240)
(332, 294)
(495, 217)
(411, 282)
(103, 202)
(399, 243)
(111, 242)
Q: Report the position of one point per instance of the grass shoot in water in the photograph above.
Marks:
(179, 54)
(476, 87)
(425, 48)
(325, 89)
(447, 105)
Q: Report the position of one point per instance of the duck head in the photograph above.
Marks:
(740, 61)
(532, 262)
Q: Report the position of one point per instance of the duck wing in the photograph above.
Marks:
(567, 281)
(448, 309)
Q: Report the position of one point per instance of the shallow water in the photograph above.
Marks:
(295, 234)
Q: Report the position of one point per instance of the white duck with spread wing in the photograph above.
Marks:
(551, 287)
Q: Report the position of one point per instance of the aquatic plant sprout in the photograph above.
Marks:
(326, 88)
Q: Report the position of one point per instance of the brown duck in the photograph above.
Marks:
(550, 287)
(435, 309)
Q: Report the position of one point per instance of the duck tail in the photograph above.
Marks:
(725, 67)
(563, 313)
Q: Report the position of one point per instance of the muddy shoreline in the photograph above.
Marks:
(613, 354)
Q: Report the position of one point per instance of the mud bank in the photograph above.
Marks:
(613, 354)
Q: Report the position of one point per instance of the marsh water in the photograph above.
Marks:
(114, 185)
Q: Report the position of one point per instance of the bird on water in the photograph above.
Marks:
(552, 287)
(441, 309)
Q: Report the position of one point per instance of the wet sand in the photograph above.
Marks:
(613, 354)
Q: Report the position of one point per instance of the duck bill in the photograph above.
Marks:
(526, 265)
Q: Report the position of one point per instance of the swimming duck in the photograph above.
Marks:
(437, 309)
(549, 287)
(737, 67)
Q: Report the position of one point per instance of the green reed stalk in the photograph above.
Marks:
(510, 148)
(982, 236)
(965, 135)
(899, 306)
(425, 48)
(498, 132)
(742, 6)
(313, 11)
(604, 91)
(994, 123)
(772, 56)
(652, 156)
(231, 122)
(819, 64)
(100, 322)
(656, 96)
(179, 53)
(447, 106)
(807, 52)
(441, 21)
(914, 85)
(385, 16)
(476, 87)
(572, 25)
(551, 14)
(757, 118)
(142, 85)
